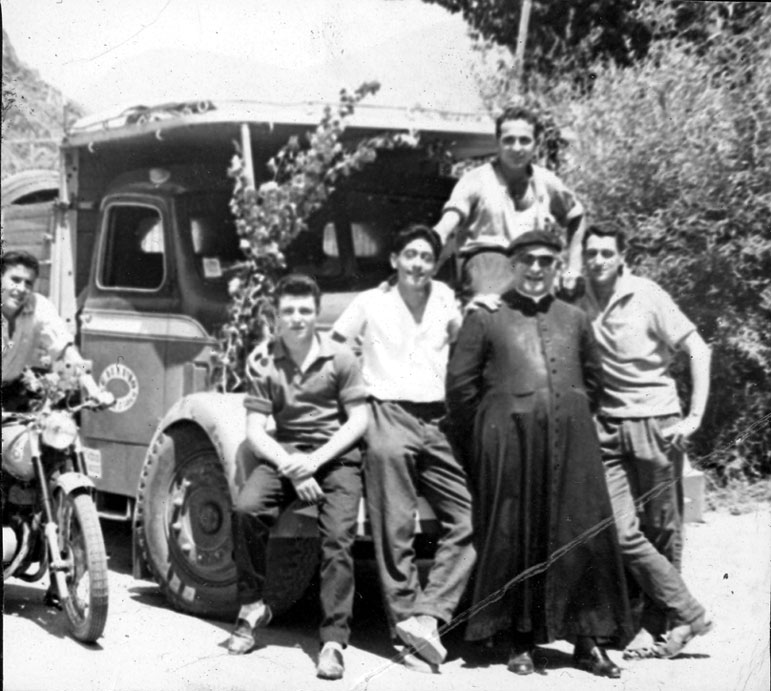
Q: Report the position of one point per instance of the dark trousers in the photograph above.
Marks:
(408, 454)
(259, 503)
(643, 471)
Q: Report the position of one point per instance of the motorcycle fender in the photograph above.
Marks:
(69, 483)
(223, 419)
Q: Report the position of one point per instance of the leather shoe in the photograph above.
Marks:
(242, 640)
(591, 657)
(520, 662)
(330, 664)
(413, 662)
(422, 634)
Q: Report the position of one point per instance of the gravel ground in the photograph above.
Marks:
(147, 646)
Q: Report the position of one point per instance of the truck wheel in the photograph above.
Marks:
(183, 530)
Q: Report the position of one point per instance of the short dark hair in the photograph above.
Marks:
(16, 257)
(518, 113)
(412, 232)
(606, 232)
(297, 285)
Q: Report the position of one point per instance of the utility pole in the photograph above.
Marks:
(519, 55)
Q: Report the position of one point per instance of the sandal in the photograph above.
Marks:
(678, 637)
(642, 647)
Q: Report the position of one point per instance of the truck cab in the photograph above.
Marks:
(152, 245)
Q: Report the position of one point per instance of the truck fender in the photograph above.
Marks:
(70, 482)
(222, 418)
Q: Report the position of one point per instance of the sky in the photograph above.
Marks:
(110, 53)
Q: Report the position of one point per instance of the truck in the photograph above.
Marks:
(141, 248)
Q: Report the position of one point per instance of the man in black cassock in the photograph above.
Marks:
(522, 383)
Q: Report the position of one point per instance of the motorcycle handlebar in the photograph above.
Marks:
(89, 404)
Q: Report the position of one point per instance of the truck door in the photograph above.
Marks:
(124, 330)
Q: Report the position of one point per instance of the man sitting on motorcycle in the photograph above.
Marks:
(34, 335)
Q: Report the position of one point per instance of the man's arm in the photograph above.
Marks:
(447, 224)
(700, 359)
(300, 467)
(266, 447)
(344, 438)
(262, 444)
(576, 229)
(75, 366)
(591, 364)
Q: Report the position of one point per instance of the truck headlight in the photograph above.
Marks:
(59, 430)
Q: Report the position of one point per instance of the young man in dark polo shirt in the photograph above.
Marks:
(305, 382)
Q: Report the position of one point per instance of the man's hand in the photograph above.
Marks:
(571, 286)
(104, 399)
(490, 301)
(680, 432)
(299, 466)
(569, 279)
(308, 490)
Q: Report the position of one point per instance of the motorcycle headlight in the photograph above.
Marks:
(59, 430)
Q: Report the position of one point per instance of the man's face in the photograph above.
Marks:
(516, 143)
(297, 316)
(602, 259)
(415, 264)
(535, 268)
(17, 283)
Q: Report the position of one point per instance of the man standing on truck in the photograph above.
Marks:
(496, 202)
(638, 328)
(34, 335)
(406, 330)
(305, 382)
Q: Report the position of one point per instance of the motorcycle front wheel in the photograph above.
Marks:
(82, 549)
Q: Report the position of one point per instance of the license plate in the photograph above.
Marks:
(93, 459)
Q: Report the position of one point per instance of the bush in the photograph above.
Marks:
(677, 150)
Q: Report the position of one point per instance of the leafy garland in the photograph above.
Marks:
(304, 175)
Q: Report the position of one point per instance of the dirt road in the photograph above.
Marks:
(147, 646)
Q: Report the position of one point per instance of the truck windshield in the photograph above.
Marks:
(347, 251)
(212, 233)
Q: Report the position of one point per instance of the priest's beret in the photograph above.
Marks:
(535, 237)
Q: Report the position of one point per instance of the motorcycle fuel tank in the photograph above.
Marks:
(17, 452)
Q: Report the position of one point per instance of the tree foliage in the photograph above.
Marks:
(568, 38)
(677, 150)
(305, 173)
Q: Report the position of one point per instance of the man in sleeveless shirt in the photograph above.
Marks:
(495, 203)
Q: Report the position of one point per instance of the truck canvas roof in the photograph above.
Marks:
(208, 123)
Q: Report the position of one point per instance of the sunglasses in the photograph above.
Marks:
(605, 254)
(544, 261)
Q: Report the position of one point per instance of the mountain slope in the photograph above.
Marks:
(33, 116)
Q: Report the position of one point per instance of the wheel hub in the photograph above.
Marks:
(199, 518)
(210, 518)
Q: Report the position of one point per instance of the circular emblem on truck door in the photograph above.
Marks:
(122, 383)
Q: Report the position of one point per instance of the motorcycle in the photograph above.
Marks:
(50, 523)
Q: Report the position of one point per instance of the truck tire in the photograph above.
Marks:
(183, 529)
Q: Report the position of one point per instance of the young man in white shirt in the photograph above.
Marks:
(34, 335)
(405, 332)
